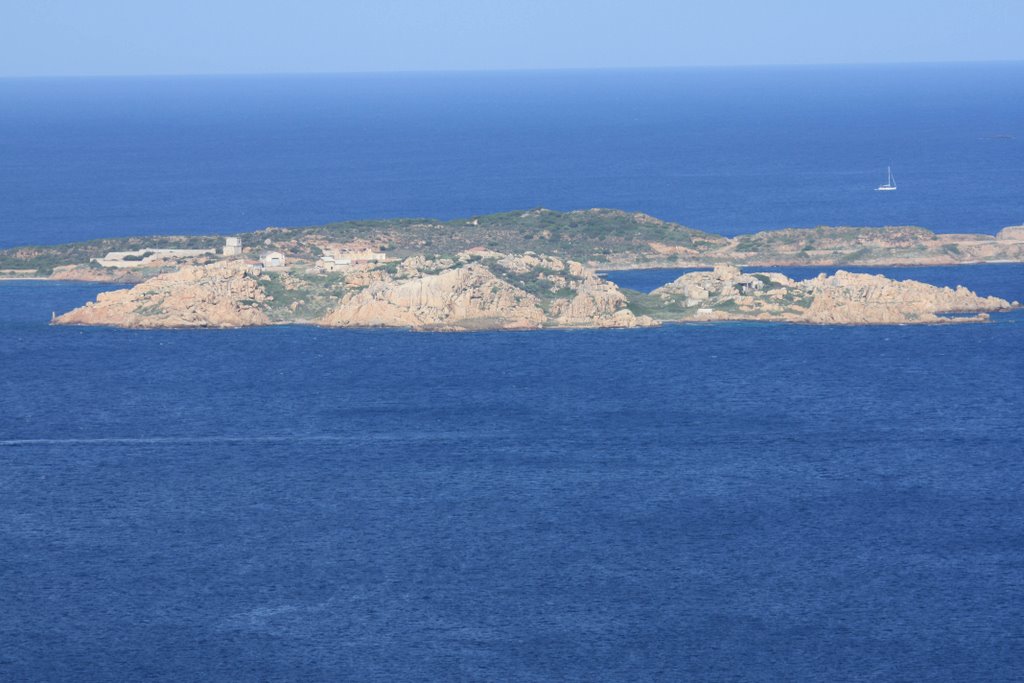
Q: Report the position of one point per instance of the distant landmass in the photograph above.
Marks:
(598, 238)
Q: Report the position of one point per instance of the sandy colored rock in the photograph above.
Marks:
(84, 273)
(462, 298)
(597, 303)
(217, 295)
(858, 298)
(726, 293)
(472, 291)
(483, 290)
(1013, 233)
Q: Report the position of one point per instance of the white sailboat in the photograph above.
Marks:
(890, 184)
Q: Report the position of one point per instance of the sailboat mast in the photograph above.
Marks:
(890, 183)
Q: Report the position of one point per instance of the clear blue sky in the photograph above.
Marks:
(94, 37)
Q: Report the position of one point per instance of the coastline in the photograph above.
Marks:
(613, 266)
(531, 269)
(493, 291)
(602, 239)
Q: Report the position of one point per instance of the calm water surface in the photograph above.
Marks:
(727, 150)
(731, 502)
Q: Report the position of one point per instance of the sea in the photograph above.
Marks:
(724, 150)
(705, 502)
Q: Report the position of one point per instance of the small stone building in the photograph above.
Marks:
(232, 246)
(272, 259)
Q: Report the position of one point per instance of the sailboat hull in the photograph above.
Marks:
(890, 183)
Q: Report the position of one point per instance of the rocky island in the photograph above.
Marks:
(481, 289)
(472, 290)
(726, 293)
(519, 270)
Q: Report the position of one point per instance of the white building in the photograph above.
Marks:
(272, 259)
(232, 246)
(333, 260)
(141, 257)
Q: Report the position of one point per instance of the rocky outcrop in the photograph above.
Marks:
(1013, 233)
(726, 293)
(487, 290)
(472, 291)
(462, 298)
(857, 298)
(597, 303)
(838, 246)
(218, 295)
(480, 289)
(89, 273)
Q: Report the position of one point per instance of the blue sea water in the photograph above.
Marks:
(702, 502)
(726, 150)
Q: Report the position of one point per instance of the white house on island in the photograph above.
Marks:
(333, 260)
(272, 259)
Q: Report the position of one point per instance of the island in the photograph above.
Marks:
(480, 289)
(602, 239)
(521, 270)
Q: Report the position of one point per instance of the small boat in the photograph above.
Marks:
(890, 184)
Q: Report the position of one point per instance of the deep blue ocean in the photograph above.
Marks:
(726, 150)
(701, 502)
(734, 502)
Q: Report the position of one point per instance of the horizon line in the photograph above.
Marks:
(513, 70)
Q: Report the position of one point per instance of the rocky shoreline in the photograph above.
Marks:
(844, 298)
(482, 290)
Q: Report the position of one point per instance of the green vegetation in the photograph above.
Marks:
(391, 267)
(151, 309)
(580, 235)
(547, 284)
(301, 296)
(137, 257)
(796, 298)
(858, 255)
(603, 236)
(45, 258)
(655, 306)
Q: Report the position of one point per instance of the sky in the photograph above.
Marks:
(143, 37)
